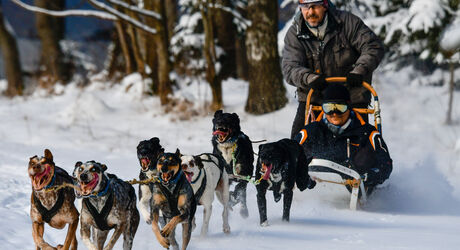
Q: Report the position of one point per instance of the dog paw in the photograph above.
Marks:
(264, 224)
(48, 247)
(59, 247)
(149, 221)
(164, 242)
(166, 231)
(226, 229)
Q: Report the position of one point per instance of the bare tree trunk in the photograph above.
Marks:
(129, 67)
(171, 13)
(150, 51)
(266, 89)
(241, 60)
(162, 52)
(50, 31)
(451, 92)
(226, 38)
(210, 54)
(133, 35)
(10, 59)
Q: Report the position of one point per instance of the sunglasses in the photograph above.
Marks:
(338, 108)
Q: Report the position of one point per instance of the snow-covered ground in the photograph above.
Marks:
(418, 208)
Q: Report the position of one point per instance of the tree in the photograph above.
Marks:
(266, 89)
(51, 31)
(10, 59)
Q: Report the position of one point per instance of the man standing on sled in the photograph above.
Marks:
(342, 136)
(326, 42)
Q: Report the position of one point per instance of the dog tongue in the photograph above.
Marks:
(189, 176)
(87, 188)
(38, 177)
(267, 172)
(145, 162)
(218, 132)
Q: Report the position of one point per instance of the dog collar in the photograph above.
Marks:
(52, 181)
(197, 178)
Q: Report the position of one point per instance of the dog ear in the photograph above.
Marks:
(178, 153)
(155, 140)
(218, 112)
(198, 162)
(78, 164)
(236, 121)
(48, 155)
(104, 167)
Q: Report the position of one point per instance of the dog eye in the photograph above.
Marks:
(80, 169)
(92, 170)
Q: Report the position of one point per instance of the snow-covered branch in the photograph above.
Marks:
(234, 13)
(64, 13)
(122, 16)
(136, 9)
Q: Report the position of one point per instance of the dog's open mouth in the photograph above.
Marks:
(42, 179)
(166, 177)
(87, 187)
(145, 163)
(188, 175)
(265, 170)
(221, 133)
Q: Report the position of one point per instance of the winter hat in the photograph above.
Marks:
(325, 2)
(336, 93)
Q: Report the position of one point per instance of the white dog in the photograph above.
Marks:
(206, 176)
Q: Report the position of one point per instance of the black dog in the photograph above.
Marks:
(108, 202)
(147, 153)
(281, 164)
(174, 197)
(235, 150)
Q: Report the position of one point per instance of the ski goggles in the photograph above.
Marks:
(307, 6)
(330, 108)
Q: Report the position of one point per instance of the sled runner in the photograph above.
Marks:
(327, 171)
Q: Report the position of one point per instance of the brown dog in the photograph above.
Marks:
(174, 197)
(55, 207)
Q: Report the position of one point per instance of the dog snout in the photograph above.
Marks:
(84, 177)
(164, 168)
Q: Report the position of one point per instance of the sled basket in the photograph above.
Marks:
(318, 167)
(375, 111)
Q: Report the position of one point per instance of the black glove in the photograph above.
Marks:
(354, 80)
(372, 177)
(318, 83)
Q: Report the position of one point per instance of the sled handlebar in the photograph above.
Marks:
(375, 111)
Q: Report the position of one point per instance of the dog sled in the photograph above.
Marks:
(322, 170)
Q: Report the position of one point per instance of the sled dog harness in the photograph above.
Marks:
(101, 218)
(173, 197)
(200, 190)
(46, 214)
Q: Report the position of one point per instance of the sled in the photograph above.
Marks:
(327, 171)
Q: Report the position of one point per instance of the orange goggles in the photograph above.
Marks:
(330, 108)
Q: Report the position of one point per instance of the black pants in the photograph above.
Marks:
(299, 119)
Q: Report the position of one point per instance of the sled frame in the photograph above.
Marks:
(309, 108)
(358, 182)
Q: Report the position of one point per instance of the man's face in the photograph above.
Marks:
(337, 118)
(313, 13)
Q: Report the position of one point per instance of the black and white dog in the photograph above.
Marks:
(147, 154)
(281, 164)
(206, 176)
(235, 148)
(108, 203)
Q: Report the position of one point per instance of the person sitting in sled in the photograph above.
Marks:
(343, 137)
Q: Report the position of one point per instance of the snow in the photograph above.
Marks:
(417, 208)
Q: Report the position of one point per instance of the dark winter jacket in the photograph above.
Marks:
(368, 152)
(348, 46)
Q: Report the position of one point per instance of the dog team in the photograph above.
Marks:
(171, 185)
